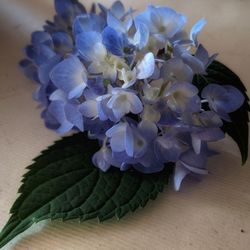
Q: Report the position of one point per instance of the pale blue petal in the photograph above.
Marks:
(179, 174)
(145, 18)
(117, 142)
(200, 171)
(118, 9)
(186, 88)
(100, 162)
(89, 109)
(155, 16)
(196, 143)
(129, 141)
(67, 116)
(85, 44)
(223, 99)
(194, 104)
(149, 163)
(115, 23)
(56, 109)
(101, 111)
(120, 110)
(179, 51)
(196, 29)
(148, 129)
(181, 38)
(136, 106)
(194, 63)
(213, 91)
(141, 36)
(202, 54)
(210, 119)
(70, 76)
(127, 23)
(45, 69)
(74, 116)
(146, 66)
(172, 20)
(167, 148)
(176, 69)
(140, 145)
(191, 159)
(115, 129)
(58, 95)
(87, 23)
(104, 112)
(102, 159)
(123, 158)
(236, 98)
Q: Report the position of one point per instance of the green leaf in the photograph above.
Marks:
(238, 128)
(63, 184)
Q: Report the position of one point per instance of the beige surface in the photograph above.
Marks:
(205, 215)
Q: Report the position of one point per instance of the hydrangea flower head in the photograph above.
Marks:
(127, 79)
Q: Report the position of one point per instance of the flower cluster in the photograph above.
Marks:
(126, 78)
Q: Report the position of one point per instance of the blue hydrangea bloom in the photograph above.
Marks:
(126, 78)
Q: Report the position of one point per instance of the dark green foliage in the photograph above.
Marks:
(63, 184)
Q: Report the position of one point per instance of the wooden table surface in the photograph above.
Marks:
(212, 214)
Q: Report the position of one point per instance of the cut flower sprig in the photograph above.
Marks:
(127, 79)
